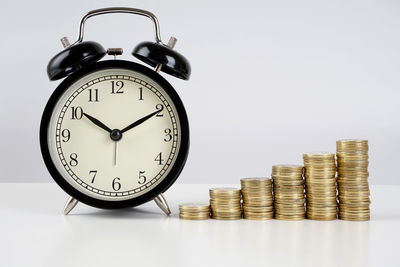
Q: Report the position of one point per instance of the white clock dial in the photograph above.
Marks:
(89, 159)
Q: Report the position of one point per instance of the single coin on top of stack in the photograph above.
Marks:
(194, 211)
(225, 203)
(353, 187)
(257, 198)
(320, 180)
(288, 187)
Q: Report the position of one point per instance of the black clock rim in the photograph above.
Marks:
(176, 169)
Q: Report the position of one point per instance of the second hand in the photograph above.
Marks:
(115, 153)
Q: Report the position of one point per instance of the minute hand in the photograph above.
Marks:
(140, 121)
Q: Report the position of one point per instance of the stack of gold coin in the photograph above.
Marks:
(320, 180)
(194, 211)
(257, 198)
(353, 187)
(225, 203)
(288, 192)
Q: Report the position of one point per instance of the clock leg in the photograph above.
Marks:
(71, 203)
(162, 204)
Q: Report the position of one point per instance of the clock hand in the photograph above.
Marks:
(140, 121)
(97, 122)
(115, 153)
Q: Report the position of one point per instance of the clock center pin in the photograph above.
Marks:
(116, 135)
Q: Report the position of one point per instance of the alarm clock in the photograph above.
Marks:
(114, 133)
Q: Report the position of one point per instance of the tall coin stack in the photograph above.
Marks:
(194, 211)
(352, 160)
(320, 180)
(257, 198)
(288, 192)
(225, 203)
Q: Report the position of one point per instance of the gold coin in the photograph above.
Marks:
(351, 145)
(258, 202)
(289, 217)
(344, 157)
(286, 200)
(329, 217)
(257, 196)
(225, 201)
(357, 186)
(194, 216)
(194, 207)
(315, 200)
(284, 187)
(258, 218)
(258, 213)
(297, 211)
(287, 168)
(319, 155)
(355, 201)
(322, 208)
(361, 213)
(227, 218)
(224, 192)
(346, 218)
(257, 208)
(255, 181)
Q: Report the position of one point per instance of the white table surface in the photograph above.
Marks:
(34, 232)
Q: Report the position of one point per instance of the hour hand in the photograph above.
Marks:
(97, 122)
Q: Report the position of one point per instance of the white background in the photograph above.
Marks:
(270, 79)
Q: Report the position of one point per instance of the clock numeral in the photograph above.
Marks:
(73, 160)
(142, 178)
(159, 159)
(160, 108)
(168, 135)
(94, 173)
(77, 113)
(93, 95)
(116, 185)
(116, 87)
(140, 93)
(66, 134)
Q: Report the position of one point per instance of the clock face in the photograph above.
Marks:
(114, 134)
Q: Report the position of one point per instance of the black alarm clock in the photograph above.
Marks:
(114, 133)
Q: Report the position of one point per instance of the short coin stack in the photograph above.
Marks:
(288, 192)
(257, 198)
(353, 187)
(225, 203)
(194, 211)
(320, 180)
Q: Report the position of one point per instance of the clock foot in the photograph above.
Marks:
(71, 203)
(162, 204)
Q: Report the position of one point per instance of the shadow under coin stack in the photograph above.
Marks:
(353, 187)
(320, 180)
(225, 203)
(194, 211)
(257, 198)
(288, 192)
